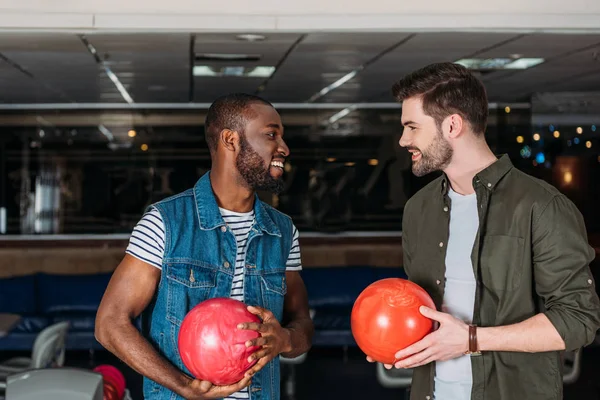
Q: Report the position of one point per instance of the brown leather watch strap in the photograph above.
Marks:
(473, 346)
(472, 338)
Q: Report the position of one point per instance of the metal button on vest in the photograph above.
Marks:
(489, 185)
(226, 264)
(590, 281)
(446, 209)
(223, 228)
(438, 281)
(441, 244)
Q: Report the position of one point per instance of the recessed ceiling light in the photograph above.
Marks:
(227, 57)
(247, 72)
(524, 63)
(250, 37)
(499, 63)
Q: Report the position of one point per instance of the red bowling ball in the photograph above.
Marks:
(385, 318)
(211, 346)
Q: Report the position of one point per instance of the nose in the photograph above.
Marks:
(404, 139)
(283, 149)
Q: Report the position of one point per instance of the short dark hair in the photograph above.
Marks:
(447, 88)
(230, 111)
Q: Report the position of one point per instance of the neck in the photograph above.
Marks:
(466, 163)
(229, 193)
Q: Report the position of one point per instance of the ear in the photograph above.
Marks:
(455, 125)
(229, 139)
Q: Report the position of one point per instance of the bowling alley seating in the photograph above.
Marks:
(395, 378)
(331, 295)
(48, 352)
(42, 300)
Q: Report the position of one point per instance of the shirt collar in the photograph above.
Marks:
(488, 177)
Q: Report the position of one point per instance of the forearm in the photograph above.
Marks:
(125, 341)
(300, 337)
(536, 334)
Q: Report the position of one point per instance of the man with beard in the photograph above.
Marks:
(504, 255)
(216, 239)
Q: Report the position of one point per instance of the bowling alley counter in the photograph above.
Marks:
(84, 254)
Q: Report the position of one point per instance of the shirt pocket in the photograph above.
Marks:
(501, 259)
(188, 284)
(274, 289)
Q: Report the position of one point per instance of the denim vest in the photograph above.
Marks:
(199, 263)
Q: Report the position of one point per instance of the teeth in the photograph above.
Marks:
(277, 164)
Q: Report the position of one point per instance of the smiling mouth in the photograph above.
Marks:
(277, 164)
(416, 155)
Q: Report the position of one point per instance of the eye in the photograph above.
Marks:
(271, 134)
(412, 128)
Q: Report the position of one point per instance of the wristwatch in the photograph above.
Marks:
(473, 347)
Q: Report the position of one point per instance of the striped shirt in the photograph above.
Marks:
(147, 243)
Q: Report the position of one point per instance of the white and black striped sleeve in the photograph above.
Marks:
(147, 242)
(294, 262)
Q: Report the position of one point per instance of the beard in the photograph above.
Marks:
(435, 158)
(251, 168)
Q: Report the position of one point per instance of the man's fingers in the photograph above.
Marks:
(258, 355)
(224, 391)
(253, 326)
(423, 362)
(243, 383)
(415, 347)
(262, 313)
(260, 341)
(414, 360)
(205, 386)
(258, 366)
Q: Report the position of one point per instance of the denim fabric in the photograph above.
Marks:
(199, 263)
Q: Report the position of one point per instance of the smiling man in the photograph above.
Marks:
(504, 255)
(216, 239)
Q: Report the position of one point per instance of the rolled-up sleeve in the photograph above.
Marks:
(563, 279)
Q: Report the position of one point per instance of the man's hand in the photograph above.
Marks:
(204, 390)
(450, 340)
(273, 340)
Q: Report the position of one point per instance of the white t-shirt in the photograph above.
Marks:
(454, 378)
(147, 243)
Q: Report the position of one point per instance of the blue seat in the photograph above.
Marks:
(331, 294)
(45, 299)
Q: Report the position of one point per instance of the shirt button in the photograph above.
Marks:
(438, 282)
(489, 185)
(441, 244)
(223, 229)
(446, 208)
(226, 264)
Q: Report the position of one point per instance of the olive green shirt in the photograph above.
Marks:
(531, 255)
